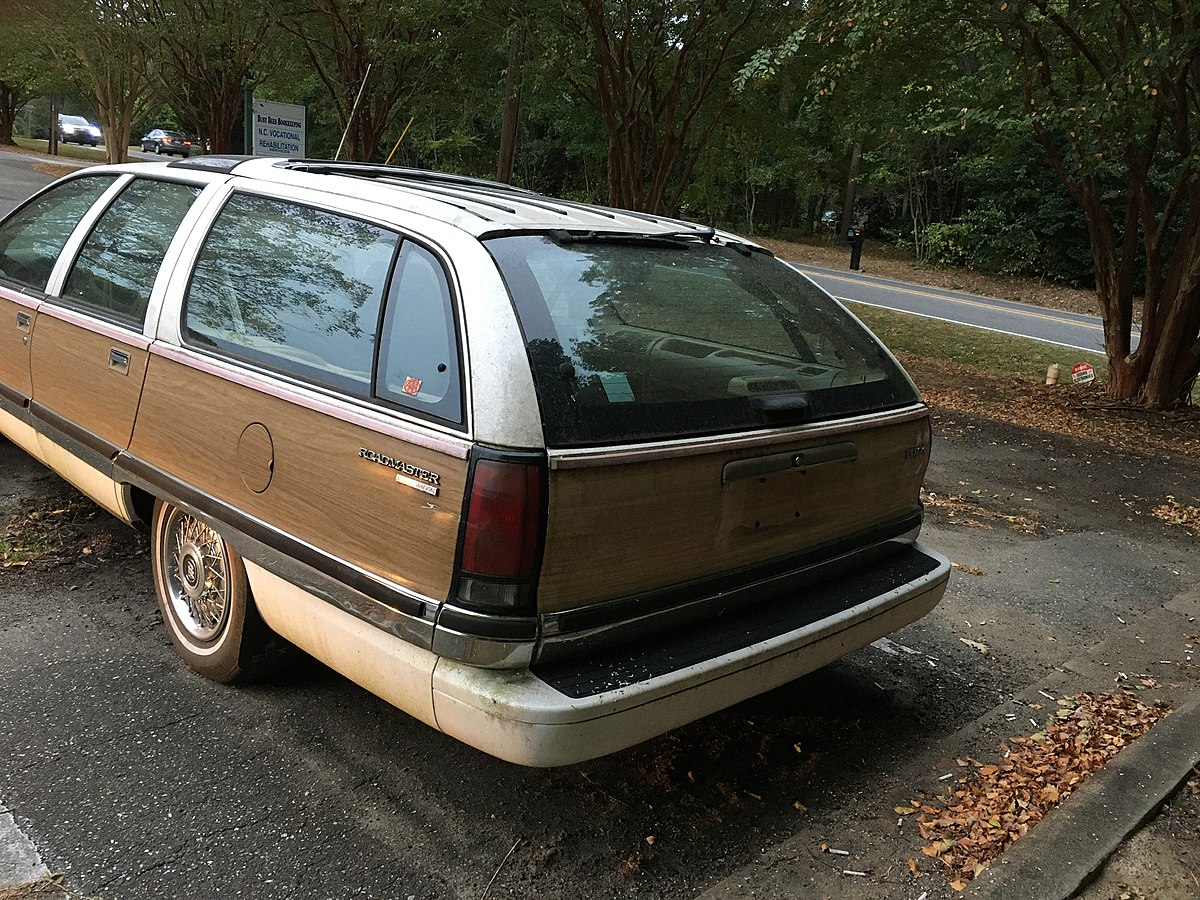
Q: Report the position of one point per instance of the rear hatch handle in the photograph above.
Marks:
(809, 457)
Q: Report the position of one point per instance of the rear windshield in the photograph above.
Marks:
(637, 339)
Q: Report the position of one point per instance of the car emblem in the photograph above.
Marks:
(413, 476)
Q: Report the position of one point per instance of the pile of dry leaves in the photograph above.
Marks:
(1175, 513)
(1000, 802)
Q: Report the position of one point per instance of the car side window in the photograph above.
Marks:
(117, 265)
(33, 237)
(418, 357)
(292, 288)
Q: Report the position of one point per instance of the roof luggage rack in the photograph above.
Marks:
(373, 170)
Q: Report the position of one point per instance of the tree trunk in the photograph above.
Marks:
(52, 143)
(512, 106)
(814, 210)
(9, 107)
(851, 187)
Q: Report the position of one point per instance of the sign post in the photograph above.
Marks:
(278, 129)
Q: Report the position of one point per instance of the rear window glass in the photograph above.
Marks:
(635, 340)
(33, 237)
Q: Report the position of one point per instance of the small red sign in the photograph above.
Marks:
(412, 386)
(1083, 373)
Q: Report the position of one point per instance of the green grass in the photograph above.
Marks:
(71, 151)
(975, 347)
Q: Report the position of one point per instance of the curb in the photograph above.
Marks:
(1064, 851)
(19, 859)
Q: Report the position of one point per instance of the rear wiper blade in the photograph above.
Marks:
(660, 238)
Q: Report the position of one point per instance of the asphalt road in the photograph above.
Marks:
(18, 179)
(1066, 329)
(138, 780)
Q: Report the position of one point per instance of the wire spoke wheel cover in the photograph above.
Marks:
(204, 597)
(196, 565)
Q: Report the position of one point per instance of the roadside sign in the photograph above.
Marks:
(278, 129)
(1083, 373)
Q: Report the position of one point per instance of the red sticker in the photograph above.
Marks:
(412, 386)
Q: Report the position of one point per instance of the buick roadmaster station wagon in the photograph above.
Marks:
(550, 477)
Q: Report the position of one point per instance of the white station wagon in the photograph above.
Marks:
(552, 478)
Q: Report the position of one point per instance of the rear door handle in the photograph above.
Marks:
(118, 361)
(24, 320)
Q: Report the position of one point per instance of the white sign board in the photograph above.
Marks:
(278, 129)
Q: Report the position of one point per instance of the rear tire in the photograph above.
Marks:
(204, 597)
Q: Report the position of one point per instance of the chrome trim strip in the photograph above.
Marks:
(631, 453)
(126, 334)
(483, 653)
(232, 522)
(20, 298)
(89, 448)
(417, 630)
(343, 408)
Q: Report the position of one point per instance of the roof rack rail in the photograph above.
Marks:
(374, 170)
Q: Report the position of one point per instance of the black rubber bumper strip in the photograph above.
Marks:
(618, 667)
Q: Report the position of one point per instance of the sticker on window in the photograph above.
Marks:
(412, 386)
(616, 387)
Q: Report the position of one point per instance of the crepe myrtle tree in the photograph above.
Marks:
(101, 48)
(659, 74)
(1110, 89)
(207, 52)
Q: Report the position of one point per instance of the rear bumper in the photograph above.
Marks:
(564, 714)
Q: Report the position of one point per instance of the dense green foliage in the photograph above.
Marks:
(1038, 137)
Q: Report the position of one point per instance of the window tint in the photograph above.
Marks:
(636, 338)
(119, 261)
(293, 288)
(418, 362)
(33, 237)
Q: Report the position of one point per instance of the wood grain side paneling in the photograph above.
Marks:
(619, 530)
(71, 376)
(321, 489)
(14, 346)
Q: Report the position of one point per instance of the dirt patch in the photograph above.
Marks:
(1069, 409)
(54, 170)
(56, 531)
(1163, 860)
(48, 889)
(888, 262)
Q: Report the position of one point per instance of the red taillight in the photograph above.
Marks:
(504, 515)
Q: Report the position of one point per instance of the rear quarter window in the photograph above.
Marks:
(306, 291)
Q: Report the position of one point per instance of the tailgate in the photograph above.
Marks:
(628, 522)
